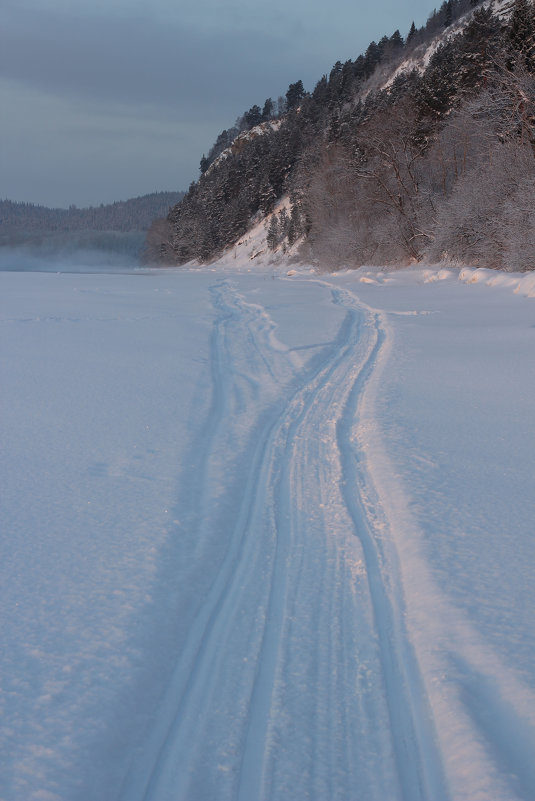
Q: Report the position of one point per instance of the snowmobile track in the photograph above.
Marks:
(244, 639)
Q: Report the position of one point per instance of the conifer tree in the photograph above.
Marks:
(372, 57)
(294, 95)
(522, 31)
(253, 116)
(272, 238)
(396, 40)
(447, 8)
(411, 34)
(267, 111)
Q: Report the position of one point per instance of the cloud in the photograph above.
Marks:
(115, 99)
(55, 153)
(136, 60)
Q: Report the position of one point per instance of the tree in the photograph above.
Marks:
(522, 31)
(396, 40)
(447, 11)
(336, 70)
(383, 46)
(294, 95)
(393, 146)
(519, 227)
(253, 116)
(267, 111)
(295, 226)
(372, 57)
(470, 224)
(272, 237)
(158, 246)
(485, 159)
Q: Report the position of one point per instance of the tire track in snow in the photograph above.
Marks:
(293, 431)
(193, 686)
(195, 665)
(418, 759)
(268, 557)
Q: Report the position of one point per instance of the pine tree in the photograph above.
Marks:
(396, 40)
(295, 225)
(447, 9)
(411, 34)
(253, 116)
(294, 95)
(272, 237)
(383, 46)
(479, 48)
(522, 31)
(372, 57)
(267, 111)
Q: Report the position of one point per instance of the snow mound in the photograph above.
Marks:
(440, 275)
(519, 283)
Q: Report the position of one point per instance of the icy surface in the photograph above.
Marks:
(267, 537)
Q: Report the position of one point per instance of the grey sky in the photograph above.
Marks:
(103, 103)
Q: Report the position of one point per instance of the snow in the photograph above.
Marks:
(246, 136)
(421, 56)
(251, 251)
(267, 534)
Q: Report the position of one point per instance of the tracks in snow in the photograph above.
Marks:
(296, 678)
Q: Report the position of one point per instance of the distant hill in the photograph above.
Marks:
(21, 220)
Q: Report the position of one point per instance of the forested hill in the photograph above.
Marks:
(422, 147)
(135, 214)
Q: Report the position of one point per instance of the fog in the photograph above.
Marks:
(74, 252)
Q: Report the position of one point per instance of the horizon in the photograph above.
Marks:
(74, 206)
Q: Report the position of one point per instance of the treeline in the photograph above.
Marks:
(439, 167)
(437, 164)
(135, 214)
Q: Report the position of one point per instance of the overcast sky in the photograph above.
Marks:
(103, 100)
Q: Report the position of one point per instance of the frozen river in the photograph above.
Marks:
(267, 537)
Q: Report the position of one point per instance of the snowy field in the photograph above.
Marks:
(267, 537)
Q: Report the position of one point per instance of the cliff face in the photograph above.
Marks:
(385, 153)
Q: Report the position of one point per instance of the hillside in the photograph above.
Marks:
(135, 214)
(422, 147)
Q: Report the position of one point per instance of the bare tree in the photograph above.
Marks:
(484, 175)
(480, 220)
(391, 153)
(519, 227)
(158, 246)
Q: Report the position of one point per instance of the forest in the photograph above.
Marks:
(136, 214)
(422, 148)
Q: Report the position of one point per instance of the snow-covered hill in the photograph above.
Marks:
(421, 56)
(392, 158)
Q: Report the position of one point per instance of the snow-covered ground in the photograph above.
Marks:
(267, 537)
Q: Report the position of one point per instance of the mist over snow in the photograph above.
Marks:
(74, 252)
